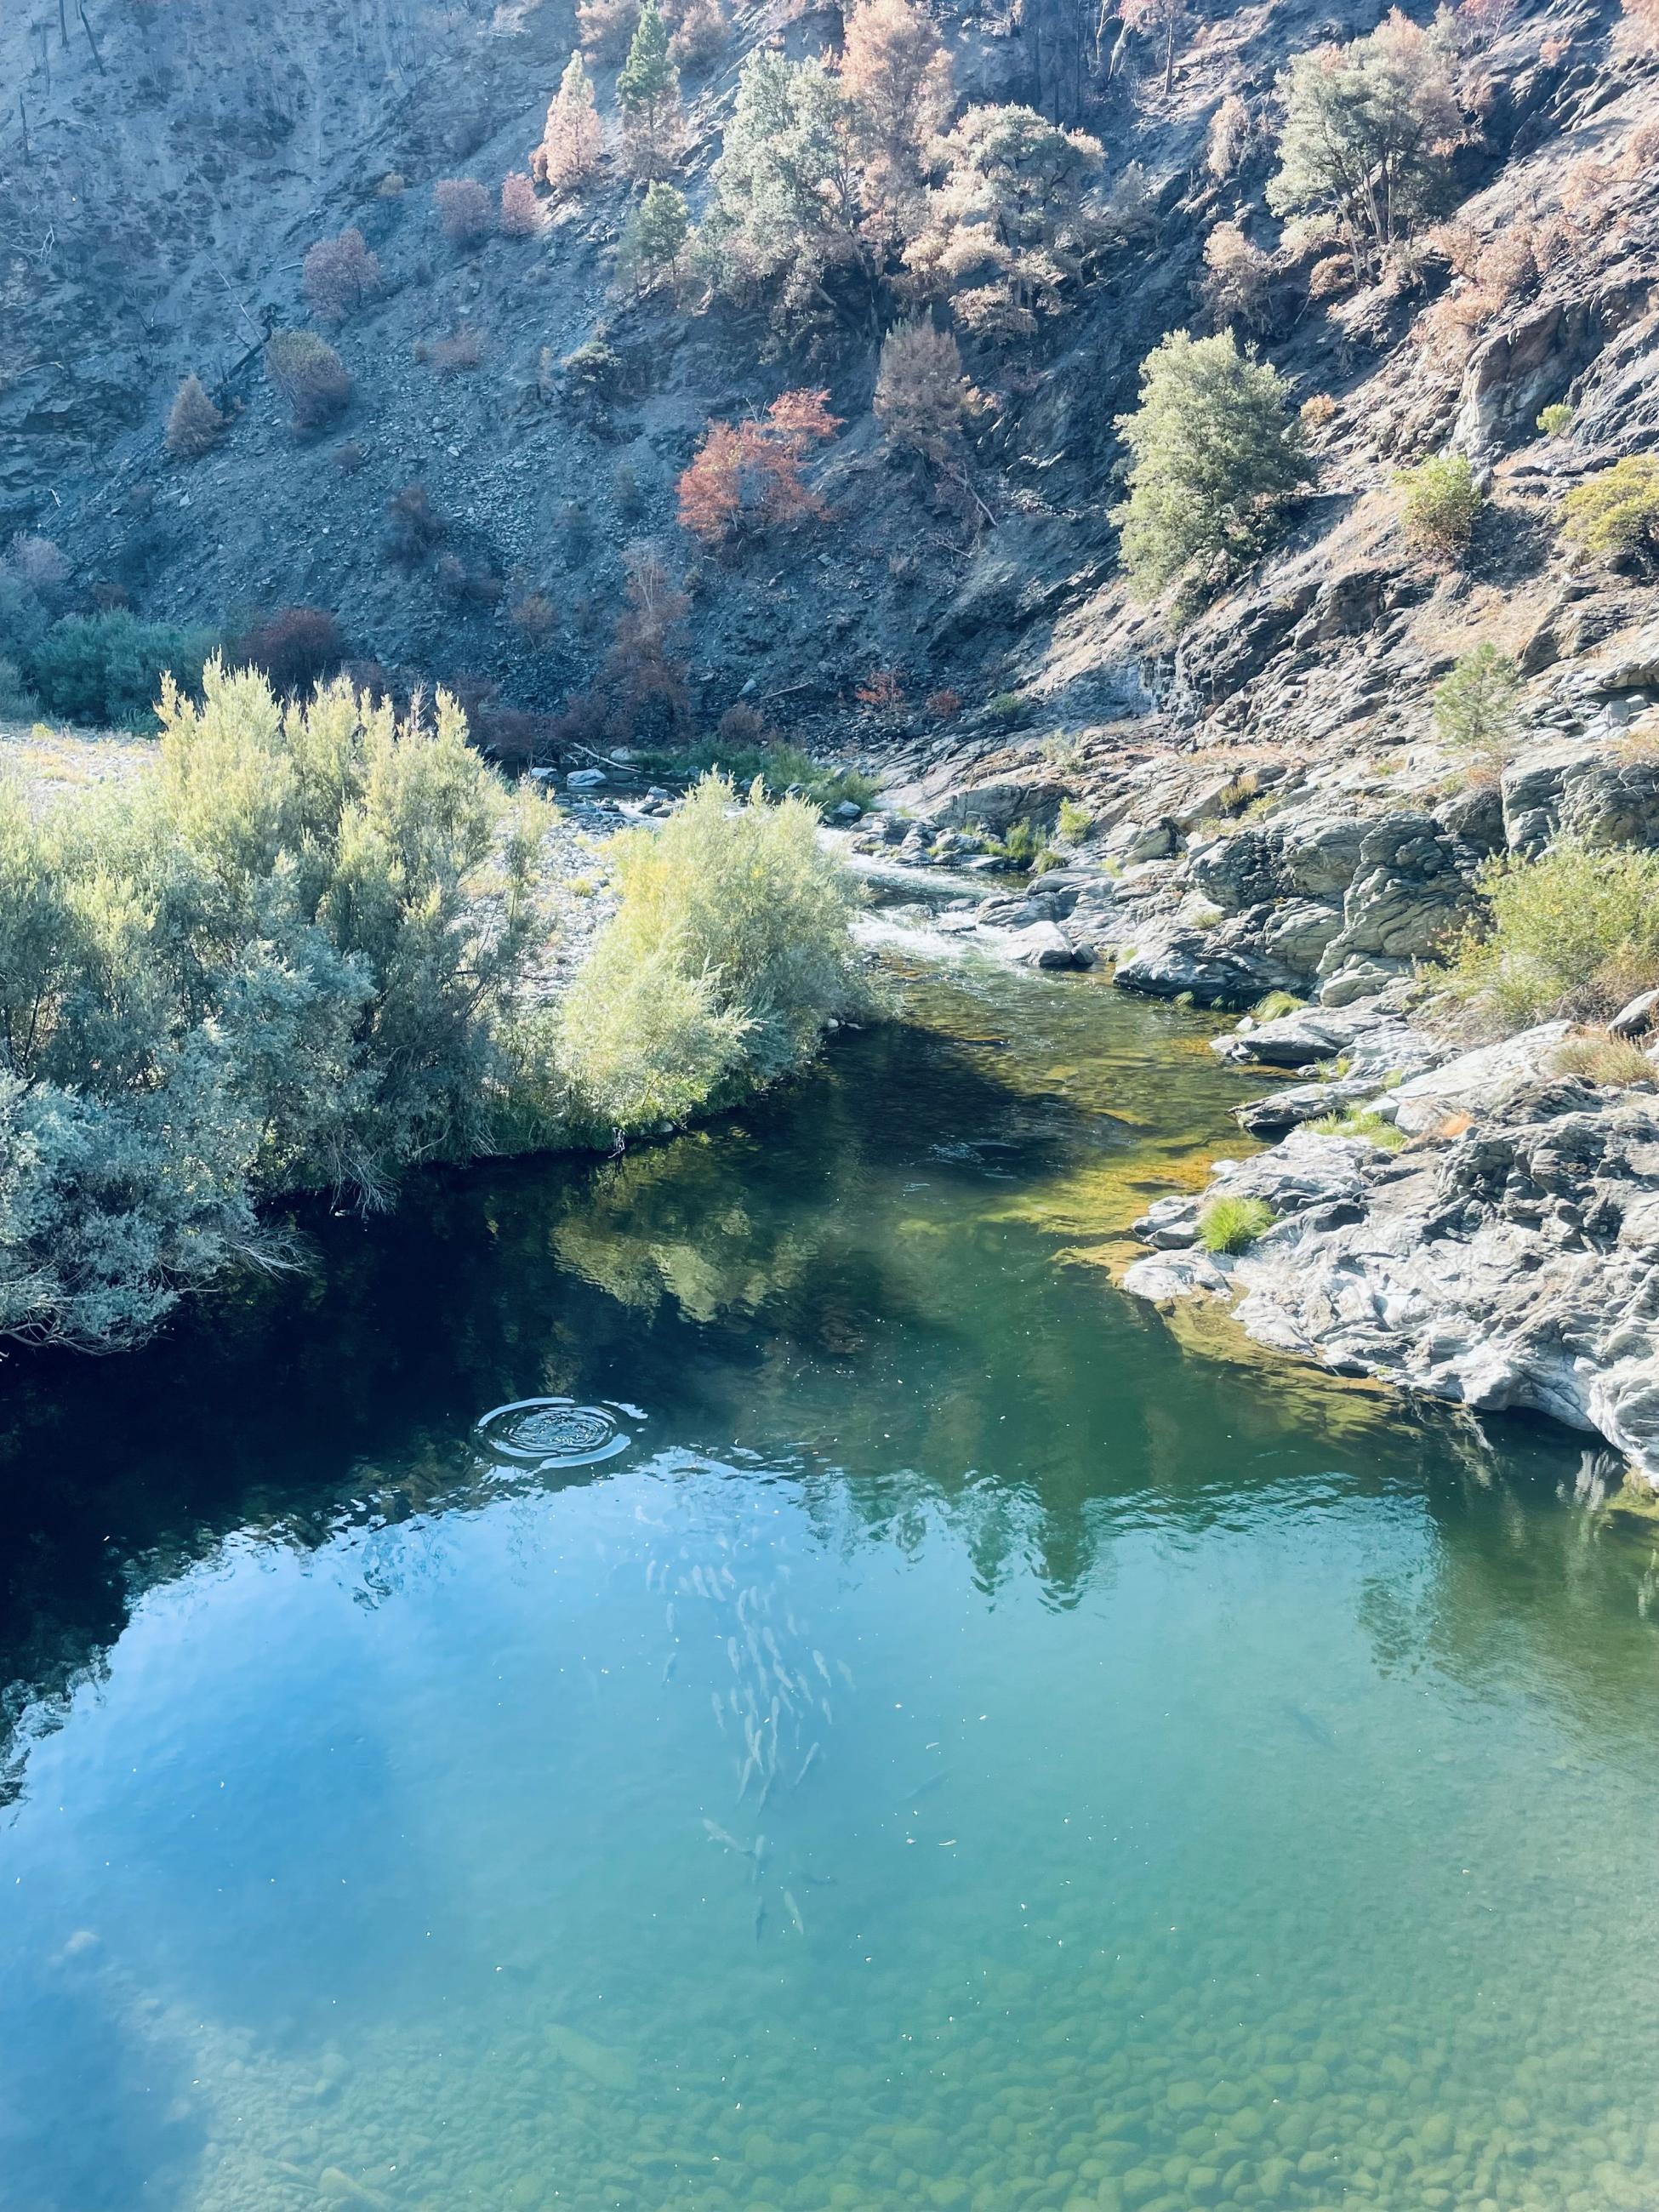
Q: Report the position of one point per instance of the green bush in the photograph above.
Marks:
(1442, 500)
(1474, 710)
(277, 963)
(1233, 1225)
(1277, 1003)
(784, 770)
(17, 702)
(1011, 708)
(1216, 453)
(1075, 822)
(1575, 931)
(730, 951)
(1617, 510)
(1556, 420)
(106, 670)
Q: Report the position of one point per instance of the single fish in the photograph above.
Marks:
(757, 1851)
(806, 1765)
(1310, 1725)
(760, 1918)
(791, 1623)
(846, 1674)
(771, 1644)
(668, 1615)
(930, 1783)
(766, 1792)
(828, 1710)
(732, 1652)
(794, 1913)
(746, 1776)
(673, 1662)
(818, 1661)
(720, 1712)
(724, 1836)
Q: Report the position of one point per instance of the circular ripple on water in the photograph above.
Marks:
(542, 1432)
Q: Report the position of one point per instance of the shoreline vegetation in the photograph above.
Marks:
(313, 948)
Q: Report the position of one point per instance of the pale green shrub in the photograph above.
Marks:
(278, 963)
(729, 953)
(1442, 500)
(1575, 931)
(1556, 420)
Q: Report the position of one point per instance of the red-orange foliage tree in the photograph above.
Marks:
(745, 479)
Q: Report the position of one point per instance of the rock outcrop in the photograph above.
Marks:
(1506, 1258)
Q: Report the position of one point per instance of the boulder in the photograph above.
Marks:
(1202, 964)
(1511, 1267)
(1636, 1019)
(1412, 887)
(1467, 1084)
(997, 804)
(1043, 945)
(1603, 797)
(585, 778)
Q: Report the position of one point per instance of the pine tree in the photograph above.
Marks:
(654, 237)
(195, 425)
(1216, 452)
(648, 94)
(897, 75)
(569, 151)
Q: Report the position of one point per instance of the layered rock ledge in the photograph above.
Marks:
(1506, 1257)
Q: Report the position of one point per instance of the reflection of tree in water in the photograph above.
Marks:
(836, 1280)
(1531, 1576)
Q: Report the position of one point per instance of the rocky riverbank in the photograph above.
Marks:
(1472, 1217)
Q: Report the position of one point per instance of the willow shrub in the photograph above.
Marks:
(729, 953)
(1575, 931)
(279, 963)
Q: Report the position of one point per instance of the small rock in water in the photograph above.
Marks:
(585, 778)
(612, 2070)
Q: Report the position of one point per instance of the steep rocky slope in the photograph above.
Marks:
(166, 166)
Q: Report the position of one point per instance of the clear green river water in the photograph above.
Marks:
(905, 1733)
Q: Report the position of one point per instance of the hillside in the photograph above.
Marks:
(180, 162)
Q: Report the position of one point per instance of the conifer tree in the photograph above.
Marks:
(648, 94)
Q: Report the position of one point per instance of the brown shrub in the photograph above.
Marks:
(746, 480)
(461, 351)
(534, 616)
(310, 375)
(468, 583)
(1506, 267)
(743, 726)
(945, 705)
(195, 425)
(645, 670)
(1238, 279)
(1329, 278)
(464, 211)
(701, 30)
(883, 688)
(1317, 409)
(521, 212)
(296, 648)
(1458, 244)
(111, 598)
(607, 27)
(36, 562)
(340, 274)
(413, 527)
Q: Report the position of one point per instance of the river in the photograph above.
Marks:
(904, 1732)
